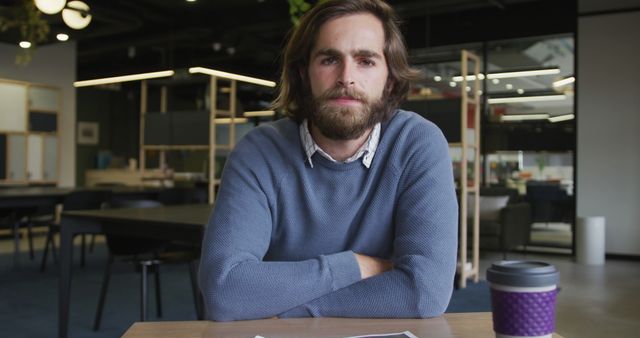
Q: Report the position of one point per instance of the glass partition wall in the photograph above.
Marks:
(528, 123)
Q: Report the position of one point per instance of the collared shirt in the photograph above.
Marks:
(367, 150)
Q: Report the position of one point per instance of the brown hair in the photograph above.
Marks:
(293, 85)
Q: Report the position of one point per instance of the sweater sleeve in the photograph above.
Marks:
(424, 255)
(235, 281)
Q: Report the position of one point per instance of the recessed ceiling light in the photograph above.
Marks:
(25, 44)
(50, 6)
(509, 86)
(495, 81)
(62, 37)
(452, 84)
(520, 91)
(437, 78)
(468, 88)
(191, 0)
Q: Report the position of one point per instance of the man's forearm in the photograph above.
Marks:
(241, 288)
(414, 288)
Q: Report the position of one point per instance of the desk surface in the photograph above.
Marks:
(14, 192)
(21, 197)
(451, 325)
(33, 191)
(190, 214)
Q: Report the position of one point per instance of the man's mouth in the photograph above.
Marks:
(346, 100)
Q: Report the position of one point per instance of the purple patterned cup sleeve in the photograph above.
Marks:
(523, 299)
(523, 312)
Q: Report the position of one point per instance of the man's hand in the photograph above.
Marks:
(371, 266)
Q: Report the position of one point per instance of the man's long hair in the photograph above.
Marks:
(294, 83)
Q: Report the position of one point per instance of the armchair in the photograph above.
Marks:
(505, 222)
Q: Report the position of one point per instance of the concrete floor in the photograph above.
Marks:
(595, 301)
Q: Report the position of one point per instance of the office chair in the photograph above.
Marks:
(76, 200)
(147, 255)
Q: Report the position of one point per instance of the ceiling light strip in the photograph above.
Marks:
(259, 113)
(504, 75)
(124, 78)
(565, 117)
(517, 99)
(523, 73)
(231, 76)
(228, 120)
(564, 82)
(522, 117)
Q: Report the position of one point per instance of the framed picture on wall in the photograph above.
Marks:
(88, 133)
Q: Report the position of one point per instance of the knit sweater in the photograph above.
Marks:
(282, 236)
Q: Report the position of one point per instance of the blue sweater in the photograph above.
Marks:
(282, 235)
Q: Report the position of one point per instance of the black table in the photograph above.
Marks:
(184, 222)
(33, 197)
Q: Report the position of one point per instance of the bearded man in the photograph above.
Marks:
(347, 207)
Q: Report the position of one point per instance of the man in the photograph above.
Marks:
(347, 207)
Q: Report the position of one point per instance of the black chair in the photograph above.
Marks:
(147, 255)
(506, 227)
(76, 200)
(549, 202)
(14, 219)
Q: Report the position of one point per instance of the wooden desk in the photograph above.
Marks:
(451, 325)
(184, 222)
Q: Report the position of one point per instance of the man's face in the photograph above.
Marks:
(347, 76)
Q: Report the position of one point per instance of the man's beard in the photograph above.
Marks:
(345, 122)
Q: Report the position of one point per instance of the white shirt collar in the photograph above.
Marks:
(367, 150)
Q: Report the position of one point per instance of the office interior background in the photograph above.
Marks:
(584, 140)
(591, 153)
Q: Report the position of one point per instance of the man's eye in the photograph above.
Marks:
(329, 60)
(367, 62)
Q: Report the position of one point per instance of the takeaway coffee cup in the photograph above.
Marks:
(523, 298)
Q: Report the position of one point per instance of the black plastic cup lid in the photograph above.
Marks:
(523, 273)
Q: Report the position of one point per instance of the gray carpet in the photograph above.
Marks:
(29, 298)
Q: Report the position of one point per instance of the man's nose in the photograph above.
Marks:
(345, 78)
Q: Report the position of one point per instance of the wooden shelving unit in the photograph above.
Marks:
(468, 147)
(216, 117)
